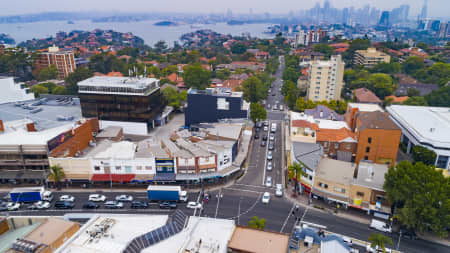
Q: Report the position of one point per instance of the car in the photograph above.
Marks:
(39, 205)
(272, 137)
(279, 190)
(124, 198)
(64, 204)
(13, 206)
(271, 147)
(380, 225)
(167, 205)
(266, 128)
(139, 204)
(256, 136)
(264, 137)
(268, 106)
(193, 205)
(376, 249)
(347, 240)
(263, 143)
(266, 123)
(97, 198)
(269, 166)
(265, 198)
(67, 198)
(47, 196)
(268, 181)
(273, 94)
(3, 207)
(281, 107)
(270, 90)
(259, 124)
(113, 204)
(257, 129)
(90, 205)
(275, 107)
(408, 233)
(269, 155)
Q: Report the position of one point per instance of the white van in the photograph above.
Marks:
(380, 226)
(273, 127)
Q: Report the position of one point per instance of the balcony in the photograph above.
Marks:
(5, 162)
(36, 162)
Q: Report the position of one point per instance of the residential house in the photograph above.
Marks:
(364, 95)
(423, 88)
(323, 112)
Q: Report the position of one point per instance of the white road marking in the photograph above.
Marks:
(218, 201)
(287, 218)
(265, 158)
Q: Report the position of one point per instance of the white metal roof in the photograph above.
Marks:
(362, 107)
(109, 81)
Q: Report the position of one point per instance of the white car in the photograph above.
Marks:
(281, 108)
(269, 166)
(97, 198)
(279, 190)
(13, 206)
(347, 240)
(124, 198)
(265, 198)
(113, 204)
(193, 205)
(269, 155)
(272, 137)
(268, 181)
(47, 196)
(40, 205)
(266, 129)
(376, 249)
(380, 226)
(68, 198)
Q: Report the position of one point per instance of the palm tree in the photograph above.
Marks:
(56, 174)
(296, 172)
(379, 240)
(257, 223)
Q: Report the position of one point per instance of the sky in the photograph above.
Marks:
(436, 8)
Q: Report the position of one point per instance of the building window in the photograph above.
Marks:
(348, 146)
(323, 185)
(97, 168)
(325, 144)
(148, 167)
(138, 167)
(442, 162)
(336, 146)
(118, 168)
(369, 140)
(367, 149)
(360, 194)
(338, 189)
(366, 158)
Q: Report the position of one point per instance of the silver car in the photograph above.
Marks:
(269, 155)
(269, 181)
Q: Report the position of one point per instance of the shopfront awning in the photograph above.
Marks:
(125, 178)
(143, 178)
(228, 171)
(164, 177)
(23, 174)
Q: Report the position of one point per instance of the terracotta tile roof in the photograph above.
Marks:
(334, 135)
(233, 83)
(375, 120)
(341, 50)
(116, 74)
(340, 45)
(397, 99)
(365, 96)
(305, 124)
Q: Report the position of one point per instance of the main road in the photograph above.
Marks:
(242, 200)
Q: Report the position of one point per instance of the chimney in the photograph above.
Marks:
(31, 128)
(2, 127)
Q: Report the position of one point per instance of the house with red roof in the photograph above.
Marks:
(364, 95)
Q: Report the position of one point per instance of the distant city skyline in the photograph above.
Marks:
(436, 8)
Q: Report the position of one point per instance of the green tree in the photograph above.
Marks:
(195, 76)
(56, 174)
(222, 59)
(48, 73)
(421, 154)
(49, 85)
(59, 90)
(291, 74)
(160, 46)
(169, 70)
(325, 49)
(300, 105)
(223, 74)
(438, 73)
(381, 84)
(380, 241)
(38, 90)
(411, 92)
(420, 193)
(254, 90)
(238, 48)
(295, 172)
(257, 112)
(440, 97)
(78, 75)
(412, 64)
(173, 97)
(257, 223)
(387, 68)
(193, 57)
(418, 101)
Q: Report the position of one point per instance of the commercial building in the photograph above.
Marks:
(370, 57)
(307, 239)
(13, 92)
(212, 105)
(428, 127)
(308, 156)
(364, 95)
(325, 80)
(354, 108)
(63, 59)
(250, 240)
(308, 37)
(339, 144)
(233, 66)
(132, 103)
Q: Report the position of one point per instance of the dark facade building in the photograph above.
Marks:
(121, 99)
(212, 105)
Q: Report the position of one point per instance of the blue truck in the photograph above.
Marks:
(30, 194)
(166, 193)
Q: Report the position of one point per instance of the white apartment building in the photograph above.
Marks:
(326, 79)
(13, 92)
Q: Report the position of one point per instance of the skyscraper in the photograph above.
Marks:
(424, 12)
(384, 19)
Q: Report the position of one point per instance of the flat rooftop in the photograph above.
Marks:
(366, 107)
(110, 81)
(336, 171)
(220, 92)
(246, 239)
(371, 175)
(428, 124)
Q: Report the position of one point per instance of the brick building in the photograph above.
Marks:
(63, 59)
(338, 144)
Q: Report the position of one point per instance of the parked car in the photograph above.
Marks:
(67, 198)
(271, 147)
(3, 207)
(269, 166)
(194, 205)
(408, 233)
(279, 190)
(139, 204)
(124, 198)
(272, 137)
(273, 94)
(266, 123)
(381, 226)
(256, 136)
(268, 181)
(90, 205)
(64, 204)
(97, 197)
(113, 204)
(376, 249)
(263, 143)
(281, 108)
(259, 124)
(39, 205)
(269, 155)
(347, 240)
(264, 137)
(47, 196)
(167, 205)
(266, 128)
(13, 206)
(265, 198)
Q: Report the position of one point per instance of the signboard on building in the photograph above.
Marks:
(60, 139)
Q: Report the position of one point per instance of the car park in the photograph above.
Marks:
(269, 155)
(279, 190)
(97, 197)
(193, 205)
(139, 204)
(265, 198)
(90, 205)
(268, 181)
(263, 143)
(124, 198)
(113, 204)
(269, 166)
(64, 204)
(39, 205)
(167, 205)
(13, 206)
(67, 198)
